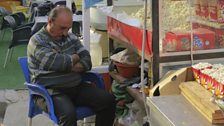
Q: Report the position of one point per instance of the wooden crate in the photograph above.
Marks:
(200, 98)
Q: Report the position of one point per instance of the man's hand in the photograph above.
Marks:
(78, 67)
(75, 59)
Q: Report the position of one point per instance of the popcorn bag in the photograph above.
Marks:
(210, 77)
(220, 11)
(216, 10)
(207, 79)
(212, 6)
(197, 68)
(197, 8)
(219, 37)
(219, 81)
(211, 84)
(216, 79)
(204, 76)
(220, 90)
(204, 9)
(196, 73)
(203, 79)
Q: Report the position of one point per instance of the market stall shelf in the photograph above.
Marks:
(130, 35)
(167, 52)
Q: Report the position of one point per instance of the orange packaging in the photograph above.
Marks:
(203, 79)
(204, 9)
(219, 89)
(212, 5)
(206, 77)
(200, 77)
(211, 84)
(220, 11)
(196, 73)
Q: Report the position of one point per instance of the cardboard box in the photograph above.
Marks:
(181, 83)
(169, 84)
(177, 41)
(180, 41)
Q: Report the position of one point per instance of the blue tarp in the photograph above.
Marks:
(89, 3)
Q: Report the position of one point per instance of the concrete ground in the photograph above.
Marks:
(14, 107)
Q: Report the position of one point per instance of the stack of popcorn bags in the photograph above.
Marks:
(210, 76)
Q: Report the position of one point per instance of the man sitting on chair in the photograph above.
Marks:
(56, 60)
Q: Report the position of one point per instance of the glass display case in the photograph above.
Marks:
(189, 31)
(191, 23)
(180, 30)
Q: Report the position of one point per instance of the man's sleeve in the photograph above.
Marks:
(47, 58)
(85, 58)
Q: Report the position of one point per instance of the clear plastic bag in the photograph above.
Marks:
(127, 120)
(134, 117)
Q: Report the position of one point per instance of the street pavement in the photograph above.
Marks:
(14, 108)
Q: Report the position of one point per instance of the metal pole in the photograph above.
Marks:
(86, 26)
(143, 58)
(155, 40)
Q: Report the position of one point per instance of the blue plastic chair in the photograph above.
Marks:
(37, 89)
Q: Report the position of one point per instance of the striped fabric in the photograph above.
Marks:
(47, 57)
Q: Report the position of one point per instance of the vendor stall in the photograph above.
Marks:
(179, 35)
